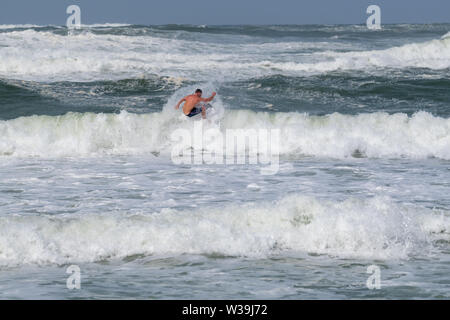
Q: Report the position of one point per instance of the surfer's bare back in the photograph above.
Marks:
(191, 107)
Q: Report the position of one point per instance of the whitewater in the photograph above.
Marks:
(34, 54)
(87, 175)
(338, 136)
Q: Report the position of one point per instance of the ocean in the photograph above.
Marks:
(88, 178)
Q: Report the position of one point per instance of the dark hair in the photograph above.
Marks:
(198, 90)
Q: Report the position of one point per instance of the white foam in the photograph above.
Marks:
(377, 135)
(433, 54)
(375, 228)
(85, 56)
(447, 35)
(339, 136)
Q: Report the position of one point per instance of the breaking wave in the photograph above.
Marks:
(375, 228)
(376, 135)
(42, 55)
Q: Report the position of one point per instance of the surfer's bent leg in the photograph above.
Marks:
(203, 112)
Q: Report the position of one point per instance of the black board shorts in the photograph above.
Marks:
(195, 111)
(198, 110)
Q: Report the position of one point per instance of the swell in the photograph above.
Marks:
(341, 92)
(17, 100)
(139, 95)
(344, 92)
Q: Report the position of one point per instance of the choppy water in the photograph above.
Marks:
(86, 175)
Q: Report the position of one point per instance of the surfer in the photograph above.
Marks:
(192, 106)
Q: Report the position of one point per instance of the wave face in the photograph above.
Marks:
(104, 52)
(376, 135)
(376, 228)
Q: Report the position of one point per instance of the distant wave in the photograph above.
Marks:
(19, 26)
(30, 26)
(377, 135)
(87, 56)
(105, 25)
(433, 54)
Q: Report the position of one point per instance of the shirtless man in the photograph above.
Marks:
(191, 107)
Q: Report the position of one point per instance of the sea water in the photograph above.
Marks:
(87, 176)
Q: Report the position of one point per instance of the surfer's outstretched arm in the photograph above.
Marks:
(210, 98)
(179, 102)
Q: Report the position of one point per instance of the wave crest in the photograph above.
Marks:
(87, 56)
(376, 228)
(378, 135)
